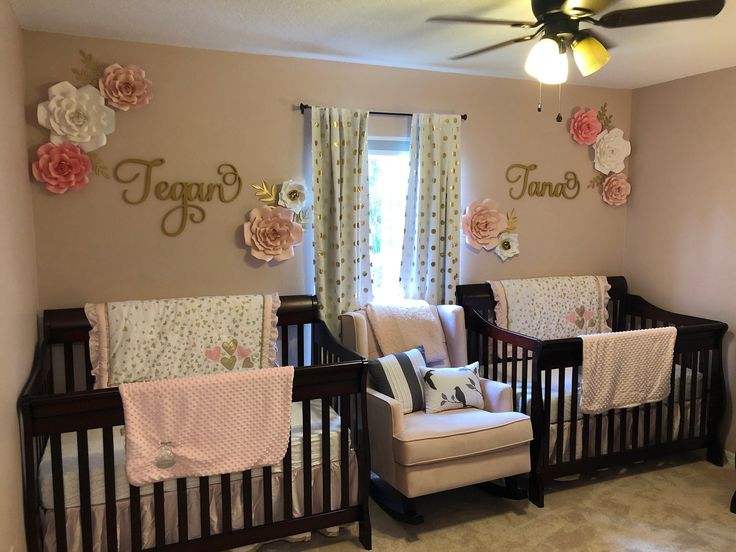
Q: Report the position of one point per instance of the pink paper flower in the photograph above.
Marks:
(616, 189)
(272, 233)
(585, 127)
(61, 168)
(482, 223)
(125, 88)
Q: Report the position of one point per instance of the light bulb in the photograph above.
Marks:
(545, 62)
(590, 55)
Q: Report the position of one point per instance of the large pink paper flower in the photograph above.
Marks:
(616, 189)
(126, 87)
(61, 168)
(482, 223)
(272, 233)
(585, 127)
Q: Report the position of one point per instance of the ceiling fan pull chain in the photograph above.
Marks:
(539, 98)
(559, 104)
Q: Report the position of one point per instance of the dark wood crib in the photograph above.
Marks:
(60, 411)
(545, 377)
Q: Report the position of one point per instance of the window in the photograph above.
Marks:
(387, 186)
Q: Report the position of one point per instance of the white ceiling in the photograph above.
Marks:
(387, 32)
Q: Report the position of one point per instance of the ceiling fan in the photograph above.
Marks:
(559, 23)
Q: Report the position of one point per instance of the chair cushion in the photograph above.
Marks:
(397, 376)
(453, 434)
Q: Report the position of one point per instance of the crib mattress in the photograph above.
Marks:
(567, 408)
(70, 461)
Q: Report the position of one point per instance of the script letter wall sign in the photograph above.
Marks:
(189, 196)
(518, 175)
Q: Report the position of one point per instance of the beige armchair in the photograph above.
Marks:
(417, 454)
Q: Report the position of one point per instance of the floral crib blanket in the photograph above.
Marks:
(133, 341)
(552, 308)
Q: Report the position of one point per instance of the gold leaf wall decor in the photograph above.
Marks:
(90, 72)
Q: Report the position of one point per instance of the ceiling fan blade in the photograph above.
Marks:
(496, 46)
(483, 21)
(586, 7)
(663, 12)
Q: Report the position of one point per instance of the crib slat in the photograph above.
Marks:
(611, 433)
(85, 502)
(504, 364)
(494, 360)
(88, 377)
(136, 536)
(285, 346)
(622, 429)
(524, 382)
(705, 392)
(658, 423)
(204, 506)
(227, 512)
(307, 456)
(326, 464)
(267, 495)
(159, 515)
(300, 344)
(695, 359)
(560, 445)
(586, 435)
(247, 500)
(547, 414)
(681, 398)
(484, 370)
(671, 403)
(57, 475)
(288, 505)
(344, 450)
(182, 509)
(598, 434)
(68, 367)
(574, 413)
(108, 453)
(635, 428)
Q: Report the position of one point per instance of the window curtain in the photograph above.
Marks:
(430, 255)
(342, 270)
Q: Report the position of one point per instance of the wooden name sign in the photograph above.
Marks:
(185, 194)
(518, 173)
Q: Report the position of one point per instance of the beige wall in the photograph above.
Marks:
(213, 107)
(681, 227)
(17, 276)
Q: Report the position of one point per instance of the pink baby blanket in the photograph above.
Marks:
(206, 425)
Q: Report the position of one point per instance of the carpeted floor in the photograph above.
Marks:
(681, 503)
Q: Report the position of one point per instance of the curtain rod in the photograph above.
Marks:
(303, 107)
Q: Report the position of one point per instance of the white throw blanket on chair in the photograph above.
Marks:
(407, 324)
(625, 369)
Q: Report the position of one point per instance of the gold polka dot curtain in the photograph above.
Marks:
(430, 256)
(342, 272)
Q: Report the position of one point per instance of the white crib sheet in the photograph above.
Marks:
(122, 489)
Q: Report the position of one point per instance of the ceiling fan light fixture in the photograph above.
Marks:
(589, 54)
(547, 62)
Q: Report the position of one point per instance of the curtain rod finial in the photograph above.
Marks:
(303, 107)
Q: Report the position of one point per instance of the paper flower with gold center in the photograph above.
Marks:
(79, 116)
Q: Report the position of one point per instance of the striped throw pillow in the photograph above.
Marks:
(397, 376)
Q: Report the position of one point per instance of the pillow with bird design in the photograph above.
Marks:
(451, 388)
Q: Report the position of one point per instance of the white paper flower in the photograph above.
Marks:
(508, 246)
(293, 195)
(610, 151)
(77, 116)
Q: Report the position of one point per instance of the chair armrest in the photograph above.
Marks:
(497, 396)
(355, 332)
(384, 414)
(452, 318)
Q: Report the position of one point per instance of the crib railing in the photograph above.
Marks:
(58, 400)
(545, 377)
